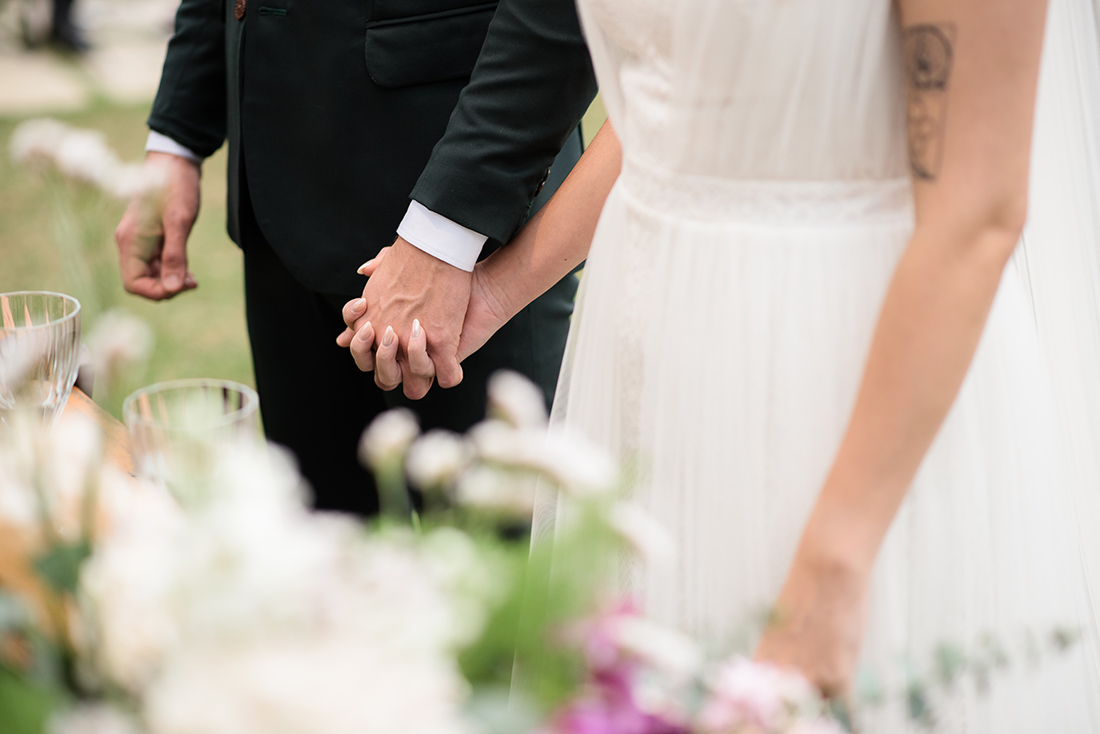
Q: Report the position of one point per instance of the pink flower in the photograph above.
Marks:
(612, 709)
(757, 695)
(610, 704)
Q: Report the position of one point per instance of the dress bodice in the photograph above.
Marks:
(754, 89)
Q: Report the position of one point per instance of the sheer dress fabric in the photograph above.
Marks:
(725, 316)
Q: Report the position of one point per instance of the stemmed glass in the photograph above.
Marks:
(177, 427)
(39, 352)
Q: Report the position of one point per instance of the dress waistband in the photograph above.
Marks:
(886, 201)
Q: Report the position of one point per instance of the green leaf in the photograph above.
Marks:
(842, 714)
(1063, 638)
(950, 663)
(920, 711)
(25, 708)
(60, 565)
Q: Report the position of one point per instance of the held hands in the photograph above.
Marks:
(152, 240)
(409, 325)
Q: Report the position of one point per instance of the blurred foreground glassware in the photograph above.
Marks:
(176, 429)
(39, 352)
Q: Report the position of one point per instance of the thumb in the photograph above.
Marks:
(173, 261)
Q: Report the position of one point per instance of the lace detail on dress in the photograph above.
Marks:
(811, 203)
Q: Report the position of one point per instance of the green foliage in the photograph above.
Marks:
(25, 707)
(60, 565)
(951, 662)
(488, 662)
(916, 699)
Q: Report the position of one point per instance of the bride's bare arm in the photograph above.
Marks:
(547, 248)
(971, 68)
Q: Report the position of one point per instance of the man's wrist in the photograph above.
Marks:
(161, 143)
(440, 237)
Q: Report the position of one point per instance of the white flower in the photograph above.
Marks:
(125, 181)
(573, 464)
(670, 652)
(119, 341)
(127, 589)
(21, 352)
(498, 491)
(646, 537)
(83, 155)
(749, 694)
(437, 458)
(578, 465)
(92, 719)
(73, 464)
(388, 437)
(472, 584)
(302, 685)
(36, 140)
(515, 399)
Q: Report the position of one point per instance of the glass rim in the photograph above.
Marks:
(51, 324)
(250, 404)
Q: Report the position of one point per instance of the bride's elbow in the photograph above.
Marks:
(986, 228)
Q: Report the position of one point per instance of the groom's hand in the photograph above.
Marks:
(152, 236)
(409, 284)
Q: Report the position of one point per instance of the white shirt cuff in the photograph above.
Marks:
(158, 143)
(440, 237)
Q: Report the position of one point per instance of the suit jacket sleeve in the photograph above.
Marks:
(190, 106)
(532, 84)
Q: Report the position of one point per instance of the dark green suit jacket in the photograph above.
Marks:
(337, 110)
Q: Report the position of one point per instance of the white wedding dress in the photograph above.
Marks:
(726, 312)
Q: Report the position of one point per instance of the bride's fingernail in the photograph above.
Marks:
(358, 305)
(363, 268)
(416, 328)
(388, 339)
(363, 331)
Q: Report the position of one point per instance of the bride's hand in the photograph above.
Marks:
(818, 622)
(485, 315)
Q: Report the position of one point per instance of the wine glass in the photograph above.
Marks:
(177, 427)
(39, 352)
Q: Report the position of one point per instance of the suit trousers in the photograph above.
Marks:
(316, 402)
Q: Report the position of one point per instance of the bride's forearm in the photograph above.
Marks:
(928, 330)
(970, 174)
(557, 238)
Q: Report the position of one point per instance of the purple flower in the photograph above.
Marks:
(612, 714)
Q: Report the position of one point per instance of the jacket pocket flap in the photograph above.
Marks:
(436, 47)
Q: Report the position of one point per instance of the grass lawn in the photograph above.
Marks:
(198, 334)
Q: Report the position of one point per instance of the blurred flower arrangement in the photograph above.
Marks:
(126, 610)
(233, 609)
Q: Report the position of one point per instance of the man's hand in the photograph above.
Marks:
(409, 285)
(152, 236)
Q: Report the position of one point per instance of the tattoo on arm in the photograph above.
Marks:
(929, 53)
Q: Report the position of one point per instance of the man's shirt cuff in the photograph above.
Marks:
(159, 143)
(440, 237)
